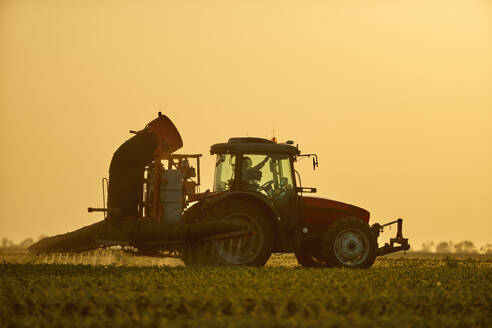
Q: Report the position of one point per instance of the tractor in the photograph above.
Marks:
(257, 207)
(256, 184)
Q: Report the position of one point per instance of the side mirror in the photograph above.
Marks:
(315, 162)
(306, 189)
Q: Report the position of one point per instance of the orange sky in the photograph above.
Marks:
(394, 96)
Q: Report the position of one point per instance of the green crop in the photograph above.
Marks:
(394, 293)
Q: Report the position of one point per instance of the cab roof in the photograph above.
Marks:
(253, 145)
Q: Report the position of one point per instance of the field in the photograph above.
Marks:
(403, 292)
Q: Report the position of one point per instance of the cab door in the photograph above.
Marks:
(284, 194)
(272, 175)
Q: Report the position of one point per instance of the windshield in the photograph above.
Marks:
(269, 174)
(224, 172)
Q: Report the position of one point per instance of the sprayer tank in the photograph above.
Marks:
(171, 195)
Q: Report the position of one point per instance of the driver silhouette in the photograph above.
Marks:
(252, 174)
(248, 168)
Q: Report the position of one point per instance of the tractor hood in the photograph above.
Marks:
(322, 210)
(159, 138)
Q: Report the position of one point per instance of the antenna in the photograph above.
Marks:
(274, 138)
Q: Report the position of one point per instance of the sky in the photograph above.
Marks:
(393, 96)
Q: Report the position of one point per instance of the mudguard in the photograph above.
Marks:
(254, 196)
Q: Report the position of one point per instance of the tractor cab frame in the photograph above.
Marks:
(264, 170)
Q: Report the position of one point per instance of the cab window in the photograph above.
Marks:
(224, 172)
(268, 174)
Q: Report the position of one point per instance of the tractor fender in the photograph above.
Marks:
(253, 197)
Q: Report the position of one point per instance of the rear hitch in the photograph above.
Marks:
(390, 247)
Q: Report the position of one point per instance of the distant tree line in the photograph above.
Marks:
(7, 243)
(463, 247)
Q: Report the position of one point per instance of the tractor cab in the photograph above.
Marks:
(261, 166)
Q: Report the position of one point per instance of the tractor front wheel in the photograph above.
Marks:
(349, 242)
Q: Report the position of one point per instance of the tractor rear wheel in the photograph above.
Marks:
(254, 249)
(349, 242)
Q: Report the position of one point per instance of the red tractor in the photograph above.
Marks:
(255, 184)
(257, 207)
